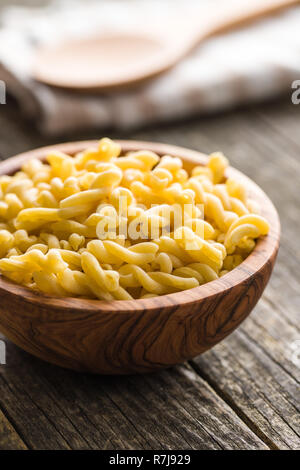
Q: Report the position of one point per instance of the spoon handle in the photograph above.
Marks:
(231, 14)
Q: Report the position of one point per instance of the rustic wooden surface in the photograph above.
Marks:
(244, 393)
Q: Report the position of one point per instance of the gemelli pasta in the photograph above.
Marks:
(107, 226)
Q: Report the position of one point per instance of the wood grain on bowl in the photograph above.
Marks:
(135, 336)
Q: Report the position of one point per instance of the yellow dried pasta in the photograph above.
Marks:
(107, 226)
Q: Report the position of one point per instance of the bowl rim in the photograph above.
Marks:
(266, 247)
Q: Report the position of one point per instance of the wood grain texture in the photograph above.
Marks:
(122, 337)
(172, 409)
(9, 439)
(264, 393)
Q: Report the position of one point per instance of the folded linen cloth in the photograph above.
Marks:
(252, 63)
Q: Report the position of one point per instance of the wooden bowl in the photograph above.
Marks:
(137, 336)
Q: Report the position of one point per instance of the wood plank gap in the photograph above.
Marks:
(257, 345)
(278, 311)
(188, 412)
(235, 408)
(123, 414)
(271, 357)
(15, 427)
(52, 396)
(93, 424)
(42, 412)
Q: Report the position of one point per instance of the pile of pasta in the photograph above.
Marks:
(80, 226)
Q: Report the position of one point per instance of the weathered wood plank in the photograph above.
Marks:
(175, 409)
(258, 387)
(38, 421)
(9, 439)
(275, 336)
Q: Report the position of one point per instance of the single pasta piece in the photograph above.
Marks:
(107, 226)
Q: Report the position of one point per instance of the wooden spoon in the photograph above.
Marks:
(116, 60)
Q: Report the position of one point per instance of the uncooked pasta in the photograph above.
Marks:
(107, 226)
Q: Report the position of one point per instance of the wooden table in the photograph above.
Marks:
(244, 393)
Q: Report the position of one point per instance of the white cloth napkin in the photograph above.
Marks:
(252, 63)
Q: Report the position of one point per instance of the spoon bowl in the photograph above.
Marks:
(137, 336)
(101, 62)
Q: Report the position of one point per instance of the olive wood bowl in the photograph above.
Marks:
(137, 336)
